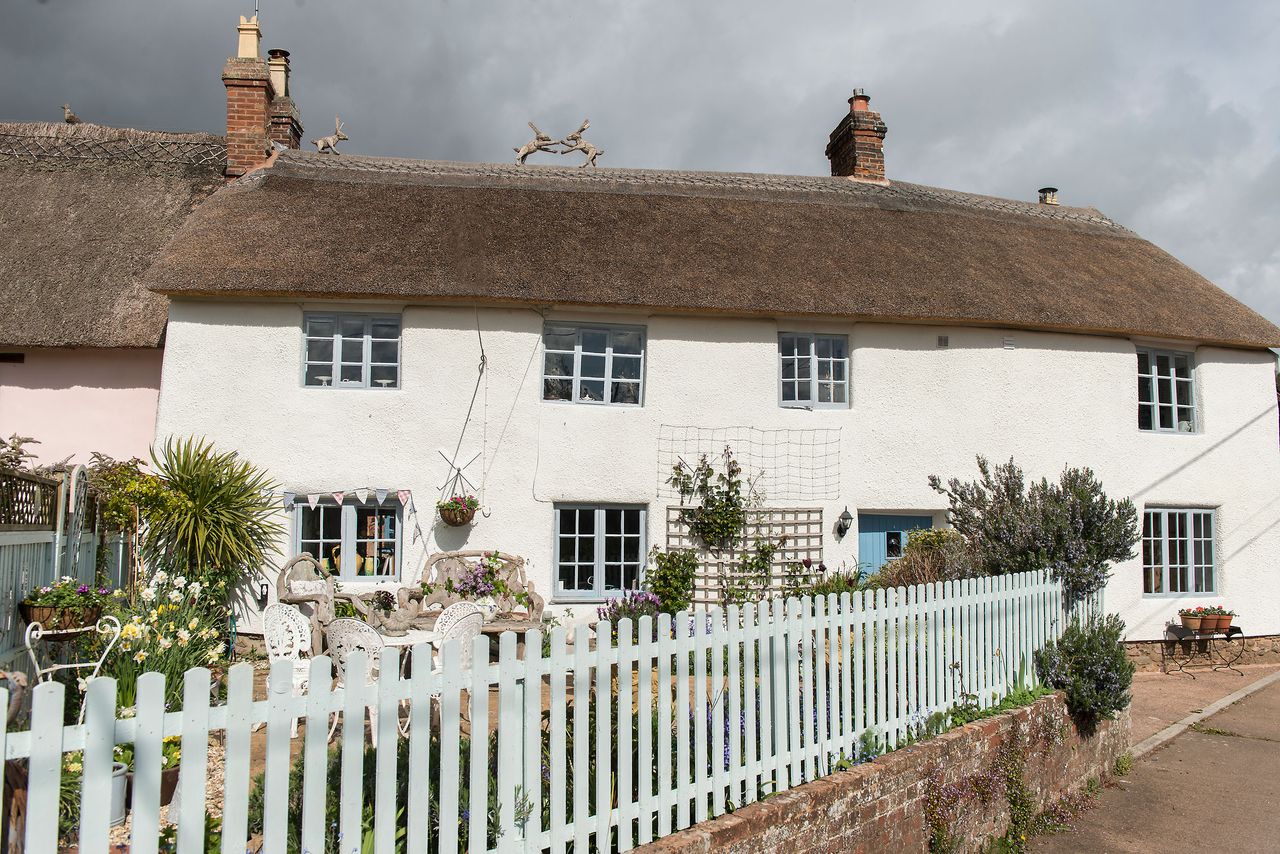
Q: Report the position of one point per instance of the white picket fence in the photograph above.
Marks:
(601, 745)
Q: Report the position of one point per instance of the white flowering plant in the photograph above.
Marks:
(171, 628)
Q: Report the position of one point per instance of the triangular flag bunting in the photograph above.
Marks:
(338, 496)
(403, 495)
(288, 499)
(380, 494)
(362, 495)
(313, 499)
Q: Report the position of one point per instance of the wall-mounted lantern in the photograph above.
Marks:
(263, 590)
(844, 523)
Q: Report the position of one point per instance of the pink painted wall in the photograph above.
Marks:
(82, 400)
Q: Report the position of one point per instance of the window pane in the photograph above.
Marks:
(1182, 366)
(627, 393)
(594, 341)
(383, 351)
(1163, 366)
(625, 341)
(319, 375)
(1144, 390)
(560, 338)
(320, 350)
(1184, 393)
(625, 368)
(353, 374)
(893, 544)
(384, 376)
(802, 369)
(351, 327)
(591, 390)
(1144, 363)
(557, 389)
(567, 549)
(613, 549)
(587, 521)
(1145, 416)
(568, 521)
(591, 366)
(824, 369)
(788, 369)
(1166, 417)
(837, 393)
(586, 549)
(320, 327)
(788, 392)
(838, 347)
(558, 365)
(353, 350)
(838, 370)
(824, 393)
(823, 347)
(386, 329)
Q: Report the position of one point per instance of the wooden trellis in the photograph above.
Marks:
(800, 526)
(27, 502)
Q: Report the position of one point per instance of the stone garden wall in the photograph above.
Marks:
(1149, 655)
(956, 783)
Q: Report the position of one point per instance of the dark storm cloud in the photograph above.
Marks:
(1158, 112)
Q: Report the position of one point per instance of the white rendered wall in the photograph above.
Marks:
(231, 372)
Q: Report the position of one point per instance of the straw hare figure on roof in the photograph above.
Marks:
(70, 117)
(330, 143)
(540, 142)
(575, 142)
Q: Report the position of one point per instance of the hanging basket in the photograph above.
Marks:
(58, 623)
(457, 516)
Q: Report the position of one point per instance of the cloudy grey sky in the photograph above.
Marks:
(1161, 113)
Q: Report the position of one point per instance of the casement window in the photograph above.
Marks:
(593, 364)
(1178, 552)
(600, 550)
(813, 371)
(1166, 392)
(351, 351)
(370, 532)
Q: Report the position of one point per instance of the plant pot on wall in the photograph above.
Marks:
(1191, 622)
(57, 622)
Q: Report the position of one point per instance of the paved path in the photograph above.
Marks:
(1214, 788)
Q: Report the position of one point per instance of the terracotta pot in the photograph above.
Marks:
(52, 618)
(1190, 622)
(168, 783)
(457, 516)
(1224, 622)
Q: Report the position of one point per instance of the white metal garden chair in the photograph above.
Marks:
(461, 621)
(287, 634)
(343, 637)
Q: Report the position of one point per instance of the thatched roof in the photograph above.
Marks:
(84, 210)
(343, 227)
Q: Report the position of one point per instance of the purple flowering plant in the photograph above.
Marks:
(482, 579)
(69, 594)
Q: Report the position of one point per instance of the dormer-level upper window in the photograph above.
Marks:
(1166, 391)
(813, 371)
(352, 351)
(593, 364)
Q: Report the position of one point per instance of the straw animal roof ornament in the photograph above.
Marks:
(574, 142)
(70, 117)
(329, 144)
(540, 142)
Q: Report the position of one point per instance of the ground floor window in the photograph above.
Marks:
(1178, 552)
(351, 540)
(600, 549)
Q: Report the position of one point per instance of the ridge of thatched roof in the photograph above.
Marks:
(352, 227)
(85, 209)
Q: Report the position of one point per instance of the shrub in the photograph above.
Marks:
(934, 554)
(1069, 527)
(670, 577)
(1089, 663)
(220, 523)
(634, 604)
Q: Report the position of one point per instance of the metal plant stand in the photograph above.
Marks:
(107, 627)
(1217, 650)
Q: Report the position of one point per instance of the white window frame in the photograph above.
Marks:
(597, 593)
(1169, 565)
(366, 362)
(349, 536)
(813, 363)
(1156, 404)
(576, 379)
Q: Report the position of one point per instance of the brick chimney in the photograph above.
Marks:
(249, 98)
(856, 148)
(286, 127)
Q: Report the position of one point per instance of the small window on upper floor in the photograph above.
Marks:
(351, 351)
(814, 371)
(1166, 391)
(593, 364)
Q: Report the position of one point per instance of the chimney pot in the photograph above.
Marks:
(250, 38)
(279, 66)
(1048, 195)
(860, 101)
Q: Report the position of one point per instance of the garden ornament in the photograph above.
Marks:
(329, 144)
(540, 142)
(575, 142)
(70, 117)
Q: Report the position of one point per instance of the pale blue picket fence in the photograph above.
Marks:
(682, 720)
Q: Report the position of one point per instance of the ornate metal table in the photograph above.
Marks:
(1220, 650)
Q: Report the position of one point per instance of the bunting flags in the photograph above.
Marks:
(288, 499)
(338, 496)
(380, 494)
(313, 499)
(403, 495)
(362, 495)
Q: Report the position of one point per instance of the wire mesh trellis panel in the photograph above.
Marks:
(782, 465)
(800, 529)
(172, 151)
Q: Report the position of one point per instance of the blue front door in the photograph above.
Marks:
(882, 537)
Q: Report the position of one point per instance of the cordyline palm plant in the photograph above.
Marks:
(218, 523)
